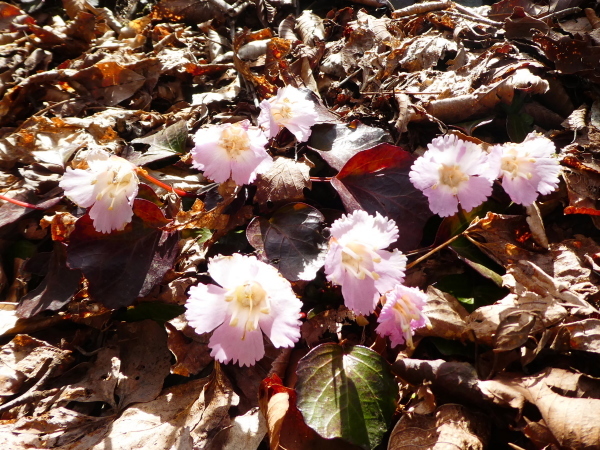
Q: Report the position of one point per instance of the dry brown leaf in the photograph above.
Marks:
(245, 433)
(310, 27)
(191, 355)
(284, 181)
(28, 359)
(185, 417)
(452, 426)
(552, 392)
(329, 321)
(584, 335)
(445, 314)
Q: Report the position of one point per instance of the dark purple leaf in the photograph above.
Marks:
(123, 265)
(376, 180)
(56, 289)
(291, 240)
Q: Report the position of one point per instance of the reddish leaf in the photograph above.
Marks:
(123, 265)
(376, 180)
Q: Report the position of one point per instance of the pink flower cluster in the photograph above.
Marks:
(109, 185)
(454, 171)
(358, 261)
(237, 150)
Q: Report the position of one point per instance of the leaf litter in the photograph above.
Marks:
(96, 352)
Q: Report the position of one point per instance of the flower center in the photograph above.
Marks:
(282, 112)
(119, 179)
(358, 259)
(452, 177)
(516, 165)
(234, 140)
(248, 302)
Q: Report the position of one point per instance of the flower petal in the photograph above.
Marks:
(205, 308)
(234, 344)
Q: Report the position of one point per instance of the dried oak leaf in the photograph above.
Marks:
(187, 11)
(583, 183)
(191, 351)
(26, 358)
(508, 240)
(560, 396)
(572, 56)
(186, 417)
(451, 425)
(445, 314)
(110, 82)
(284, 181)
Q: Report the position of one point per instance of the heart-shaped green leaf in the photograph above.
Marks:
(347, 392)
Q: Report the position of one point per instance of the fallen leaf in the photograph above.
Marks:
(451, 425)
(284, 181)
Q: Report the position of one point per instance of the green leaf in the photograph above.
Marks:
(164, 144)
(347, 392)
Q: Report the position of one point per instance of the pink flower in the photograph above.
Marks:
(289, 109)
(108, 186)
(402, 314)
(527, 168)
(252, 299)
(453, 171)
(231, 150)
(357, 261)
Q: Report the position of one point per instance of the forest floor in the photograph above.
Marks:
(96, 348)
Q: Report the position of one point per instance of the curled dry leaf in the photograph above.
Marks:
(451, 425)
(310, 27)
(445, 314)
(192, 354)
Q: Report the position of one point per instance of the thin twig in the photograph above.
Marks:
(431, 252)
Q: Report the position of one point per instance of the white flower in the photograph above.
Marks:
(357, 261)
(453, 171)
(289, 109)
(252, 299)
(527, 168)
(109, 186)
(402, 314)
(231, 150)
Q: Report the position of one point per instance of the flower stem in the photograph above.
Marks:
(325, 179)
(20, 203)
(431, 252)
(147, 176)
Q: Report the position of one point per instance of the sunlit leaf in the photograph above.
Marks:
(337, 143)
(346, 392)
